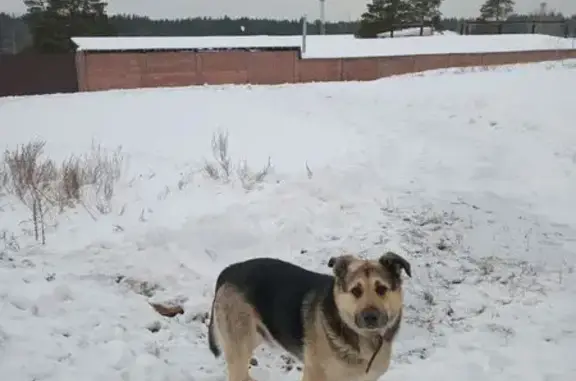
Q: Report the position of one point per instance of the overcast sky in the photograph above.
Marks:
(335, 9)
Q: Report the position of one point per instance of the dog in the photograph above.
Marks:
(340, 326)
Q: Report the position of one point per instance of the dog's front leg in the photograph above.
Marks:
(313, 371)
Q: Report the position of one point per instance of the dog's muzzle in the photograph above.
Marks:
(371, 318)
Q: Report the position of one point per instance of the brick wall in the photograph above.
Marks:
(126, 70)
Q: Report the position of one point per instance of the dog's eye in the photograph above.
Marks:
(356, 291)
(381, 289)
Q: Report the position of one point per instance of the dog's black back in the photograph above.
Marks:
(277, 290)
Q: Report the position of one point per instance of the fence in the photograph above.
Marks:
(126, 70)
(561, 28)
(33, 73)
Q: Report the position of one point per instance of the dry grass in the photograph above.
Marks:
(8, 242)
(248, 178)
(100, 171)
(221, 168)
(42, 185)
(4, 177)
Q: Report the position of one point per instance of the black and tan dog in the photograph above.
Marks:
(341, 327)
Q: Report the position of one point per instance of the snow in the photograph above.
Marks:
(338, 46)
(468, 173)
(415, 32)
(184, 42)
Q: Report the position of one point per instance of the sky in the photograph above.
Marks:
(335, 9)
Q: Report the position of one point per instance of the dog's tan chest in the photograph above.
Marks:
(322, 364)
(336, 370)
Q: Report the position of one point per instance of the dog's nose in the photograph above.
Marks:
(371, 318)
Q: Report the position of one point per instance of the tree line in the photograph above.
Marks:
(494, 16)
(48, 24)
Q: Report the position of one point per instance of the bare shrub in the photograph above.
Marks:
(31, 178)
(41, 185)
(96, 172)
(212, 170)
(101, 170)
(70, 183)
(4, 177)
(221, 168)
(9, 241)
(100, 167)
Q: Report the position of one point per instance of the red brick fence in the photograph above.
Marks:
(114, 70)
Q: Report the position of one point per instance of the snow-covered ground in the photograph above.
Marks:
(470, 174)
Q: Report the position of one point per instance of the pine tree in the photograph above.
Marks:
(496, 9)
(53, 22)
(426, 10)
(383, 15)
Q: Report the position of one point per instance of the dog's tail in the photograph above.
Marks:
(212, 344)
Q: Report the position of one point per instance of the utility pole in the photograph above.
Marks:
(322, 16)
(304, 32)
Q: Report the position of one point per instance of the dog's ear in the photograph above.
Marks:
(339, 266)
(395, 263)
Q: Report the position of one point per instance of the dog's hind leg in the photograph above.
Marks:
(236, 322)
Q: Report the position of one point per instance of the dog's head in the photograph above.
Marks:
(368, 293)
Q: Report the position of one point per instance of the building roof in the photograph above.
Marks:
(337, 46)
(186, 43)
